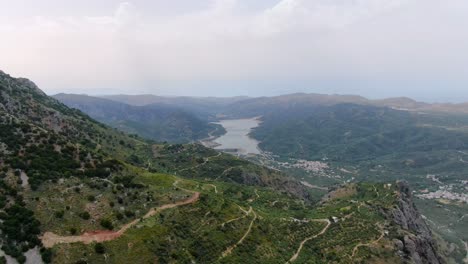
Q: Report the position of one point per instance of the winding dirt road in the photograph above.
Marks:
(356, 248)
(50, 239)
(294, 257)
(229, 250)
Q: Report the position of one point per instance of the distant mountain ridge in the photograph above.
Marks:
(265, 105)
(202, 107)
(77, 191)
(155, 121)
(243, 106)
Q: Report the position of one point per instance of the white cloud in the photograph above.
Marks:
(320, 14)
(292, 40)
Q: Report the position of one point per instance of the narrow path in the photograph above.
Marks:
(256, 193)
(376, 191)
(229, 250)
(214, 187)
(356, 248)
(203, 163)
(50, 239)
(294, 257)
(246, 213)
(224, 172)
(251, 200)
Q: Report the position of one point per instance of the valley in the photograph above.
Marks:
(79, 191)
(345, 139)
(234, 132)
(437, 174)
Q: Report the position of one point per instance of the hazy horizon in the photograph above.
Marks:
(223, 48)
(105, 96)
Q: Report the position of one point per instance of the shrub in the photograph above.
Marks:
(73, 231)
(119, 216)
(85, 215)
(59, 214)
(99, 248)
(106, 223)
(129, 213)
(46, 255)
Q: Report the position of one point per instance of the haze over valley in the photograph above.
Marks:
(234, 131)
(327, 140)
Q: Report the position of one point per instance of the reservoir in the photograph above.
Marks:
(237, 137)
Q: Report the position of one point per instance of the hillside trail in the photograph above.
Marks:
(206, 160)
(356, 248)
(294, 257)
(246, 213)
(214, 187)
(49, 239)
(229, 250)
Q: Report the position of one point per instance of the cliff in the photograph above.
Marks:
(417, 244)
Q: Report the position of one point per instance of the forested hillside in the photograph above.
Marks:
(77, 191)
(155, 121)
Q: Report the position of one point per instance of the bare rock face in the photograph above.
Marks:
(418, 245)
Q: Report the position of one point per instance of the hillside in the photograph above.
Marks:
(329, 144)
(205, 108)
(249, 107)
(157, 122)
(77, 191)
(349, 132)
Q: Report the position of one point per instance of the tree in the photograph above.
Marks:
(99, 248)
(85, 215)
(106, 223)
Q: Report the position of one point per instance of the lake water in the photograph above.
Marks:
(237, 136)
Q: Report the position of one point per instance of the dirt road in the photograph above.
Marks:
(294, 257)
(50, 239)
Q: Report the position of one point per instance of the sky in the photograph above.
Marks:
(374, 48)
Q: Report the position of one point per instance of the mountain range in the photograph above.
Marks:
(74, 190)
(160, 122)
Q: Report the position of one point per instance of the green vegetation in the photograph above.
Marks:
(371, 143)
(203, 231)
(157, 122)
(66, 179)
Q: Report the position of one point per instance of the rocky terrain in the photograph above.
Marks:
(77, 191)
(420, 246)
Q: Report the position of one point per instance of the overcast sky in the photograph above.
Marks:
(375, 48)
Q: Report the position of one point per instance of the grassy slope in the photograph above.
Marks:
(196, 232)
(118, 178)
(378, 144)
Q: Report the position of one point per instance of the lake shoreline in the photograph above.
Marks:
(237, 139)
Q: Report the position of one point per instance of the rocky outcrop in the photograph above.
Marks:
(417, 245)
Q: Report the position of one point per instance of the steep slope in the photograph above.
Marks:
(86, 193)
(157, 122)
(45, 145)
(41, 140)
(418, 244)
(329, 139)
